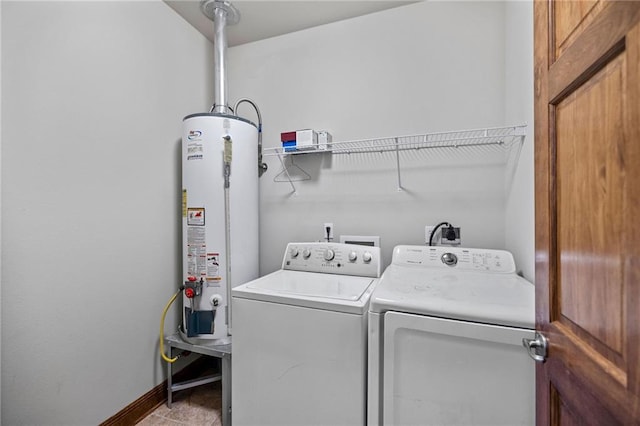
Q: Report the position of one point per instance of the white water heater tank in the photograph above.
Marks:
(207, 211)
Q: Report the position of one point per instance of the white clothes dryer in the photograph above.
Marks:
(445, 340)
(300, 338)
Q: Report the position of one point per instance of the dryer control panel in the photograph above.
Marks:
(333, 258)
(471, 259)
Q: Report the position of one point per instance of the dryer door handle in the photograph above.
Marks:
(537, 347)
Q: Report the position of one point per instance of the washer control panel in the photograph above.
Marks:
(471, 259)
(333, 258)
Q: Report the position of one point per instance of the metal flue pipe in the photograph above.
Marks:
(222, 13)
(219, 58)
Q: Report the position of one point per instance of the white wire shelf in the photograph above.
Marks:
(476, 137)
(505, 137)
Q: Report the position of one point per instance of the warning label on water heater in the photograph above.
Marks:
(195, 216)
(213, 267)
(184, 203)
(196, 252)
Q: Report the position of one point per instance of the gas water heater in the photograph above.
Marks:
(219, 218)
(221, 164)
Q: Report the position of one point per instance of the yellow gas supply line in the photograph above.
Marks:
(164, 314)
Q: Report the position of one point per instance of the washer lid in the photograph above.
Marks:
(501, 299)
(342, 293)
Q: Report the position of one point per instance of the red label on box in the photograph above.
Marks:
(287, 136)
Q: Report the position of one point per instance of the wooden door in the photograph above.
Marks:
(587, 156)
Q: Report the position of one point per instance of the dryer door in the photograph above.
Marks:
(440, 371)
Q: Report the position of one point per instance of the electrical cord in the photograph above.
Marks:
(435, 229)
(164, 314)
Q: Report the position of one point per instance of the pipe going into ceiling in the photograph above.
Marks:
(222, 13)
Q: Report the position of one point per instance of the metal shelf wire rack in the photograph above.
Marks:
(506, 138)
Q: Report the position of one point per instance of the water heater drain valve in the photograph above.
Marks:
(216, 300)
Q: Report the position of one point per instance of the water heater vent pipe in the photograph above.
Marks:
(222, 13)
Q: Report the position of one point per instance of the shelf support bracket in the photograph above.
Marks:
(400, 188)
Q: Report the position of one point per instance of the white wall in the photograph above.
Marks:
(93, 95)
(425, 67)
(520, 219)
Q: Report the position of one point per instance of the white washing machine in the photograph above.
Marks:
(445, 340)
(300, 338)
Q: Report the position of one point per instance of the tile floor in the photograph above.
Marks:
(198, 406)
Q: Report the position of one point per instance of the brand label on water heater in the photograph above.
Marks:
(194, 135)
(194, 157)
(195, 149)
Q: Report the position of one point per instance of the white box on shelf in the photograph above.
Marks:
(324, 139)
(306, 139)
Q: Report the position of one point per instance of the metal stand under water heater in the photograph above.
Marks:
(221, 164)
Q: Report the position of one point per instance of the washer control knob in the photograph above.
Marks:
(353, 256)
(294, 252)
(329, 254)
(449, 259)
(306, 253)
(366, 257)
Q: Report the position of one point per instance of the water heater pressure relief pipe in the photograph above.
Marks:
(227, 157)
(228, 151)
